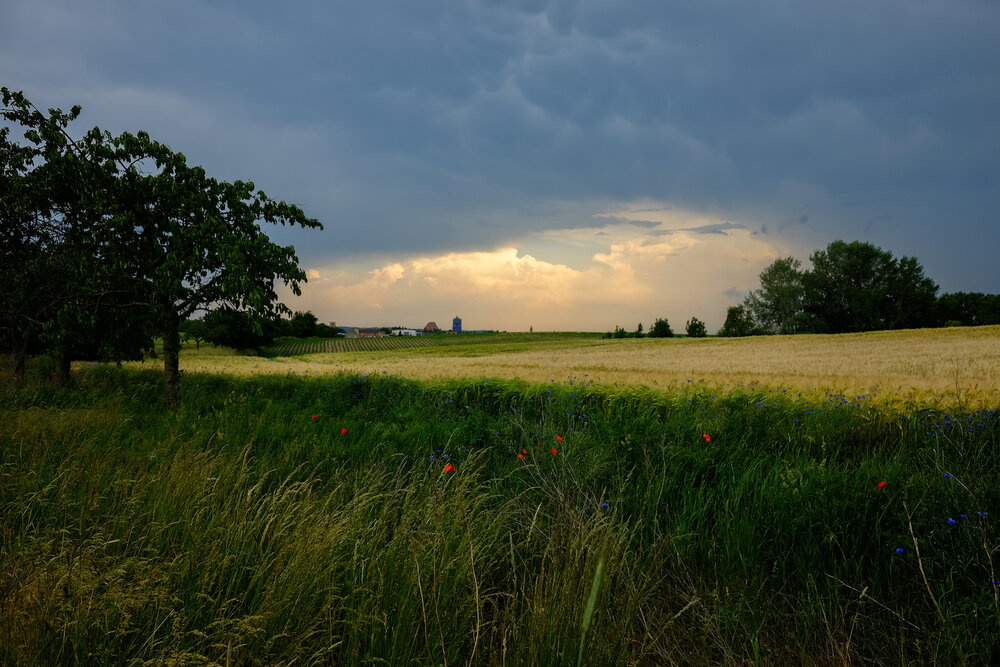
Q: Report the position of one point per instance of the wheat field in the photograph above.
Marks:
(953, 366)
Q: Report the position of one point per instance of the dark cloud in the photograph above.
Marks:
(718, 228)
(414, 127)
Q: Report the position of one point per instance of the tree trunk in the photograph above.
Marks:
(62, 367)
(20, 351)
(171, 356)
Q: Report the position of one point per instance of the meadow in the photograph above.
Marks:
(337, 511)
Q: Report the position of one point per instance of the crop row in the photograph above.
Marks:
(299, 347)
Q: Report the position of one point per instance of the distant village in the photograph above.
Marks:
(377, 332)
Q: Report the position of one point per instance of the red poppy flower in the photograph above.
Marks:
(558, 438)
(525, 451)
(314, 416)
(881, 484)
(707, 437)
(520, 456)
(553, 451)
(448, 468)
(343, 431)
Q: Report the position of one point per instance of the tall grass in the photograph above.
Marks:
(247, 526)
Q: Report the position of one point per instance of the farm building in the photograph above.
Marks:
(431, 326)
(364, 332)
(405, 332)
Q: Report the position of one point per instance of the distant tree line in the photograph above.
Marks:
(853, 287)
(107, 242)
(240, 330)
(695, 328)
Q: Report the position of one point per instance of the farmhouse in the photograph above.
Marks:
(431, 326)
(364, 332)
(405, 332)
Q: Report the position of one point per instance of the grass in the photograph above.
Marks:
(281, 519)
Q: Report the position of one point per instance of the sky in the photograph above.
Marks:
(558, 165)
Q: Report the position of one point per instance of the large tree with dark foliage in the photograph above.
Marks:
(860, 287)
(776, 308)
(197, 241)
(130, 223)
(738, 322)
(69, 288)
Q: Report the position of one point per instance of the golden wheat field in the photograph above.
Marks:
(953, 366)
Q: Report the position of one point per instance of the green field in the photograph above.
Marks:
(311, 520)
(291, 347)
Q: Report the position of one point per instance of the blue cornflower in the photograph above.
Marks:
(947, 476)
(951, 522)
(605, 504)
(899, 550)
(432, 457)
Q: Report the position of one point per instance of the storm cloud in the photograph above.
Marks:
(433, 128)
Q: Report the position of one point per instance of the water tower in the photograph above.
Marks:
(456, 324)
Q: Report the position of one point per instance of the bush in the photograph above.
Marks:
(696, 328)
(661, 329)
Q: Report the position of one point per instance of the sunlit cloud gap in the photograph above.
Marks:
(609, 274)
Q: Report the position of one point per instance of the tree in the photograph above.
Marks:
(968, 308)
(238, 329)
(194, 330)
(696, 328)
(738, 322)
(860, 287)
(638, 331)
(777, 306)
(138, 234)
(198, 243)
(327, 331)
(67, 289)
(304, 324)
(661, 329)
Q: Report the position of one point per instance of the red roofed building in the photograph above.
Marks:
(431, 326)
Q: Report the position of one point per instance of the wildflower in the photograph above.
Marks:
(520, 456)
(707, 437)
(448, 468)
(553, 451)
(881, 485)
(315, 416)
(899, 550)
(524, 451)
(605, 504)
(951, 522)
(558, 438)
(343, 431)
(947, 476)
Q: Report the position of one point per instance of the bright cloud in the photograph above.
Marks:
(632, 273)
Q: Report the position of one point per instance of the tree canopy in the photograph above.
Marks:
(140, 238)
(850, 287)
